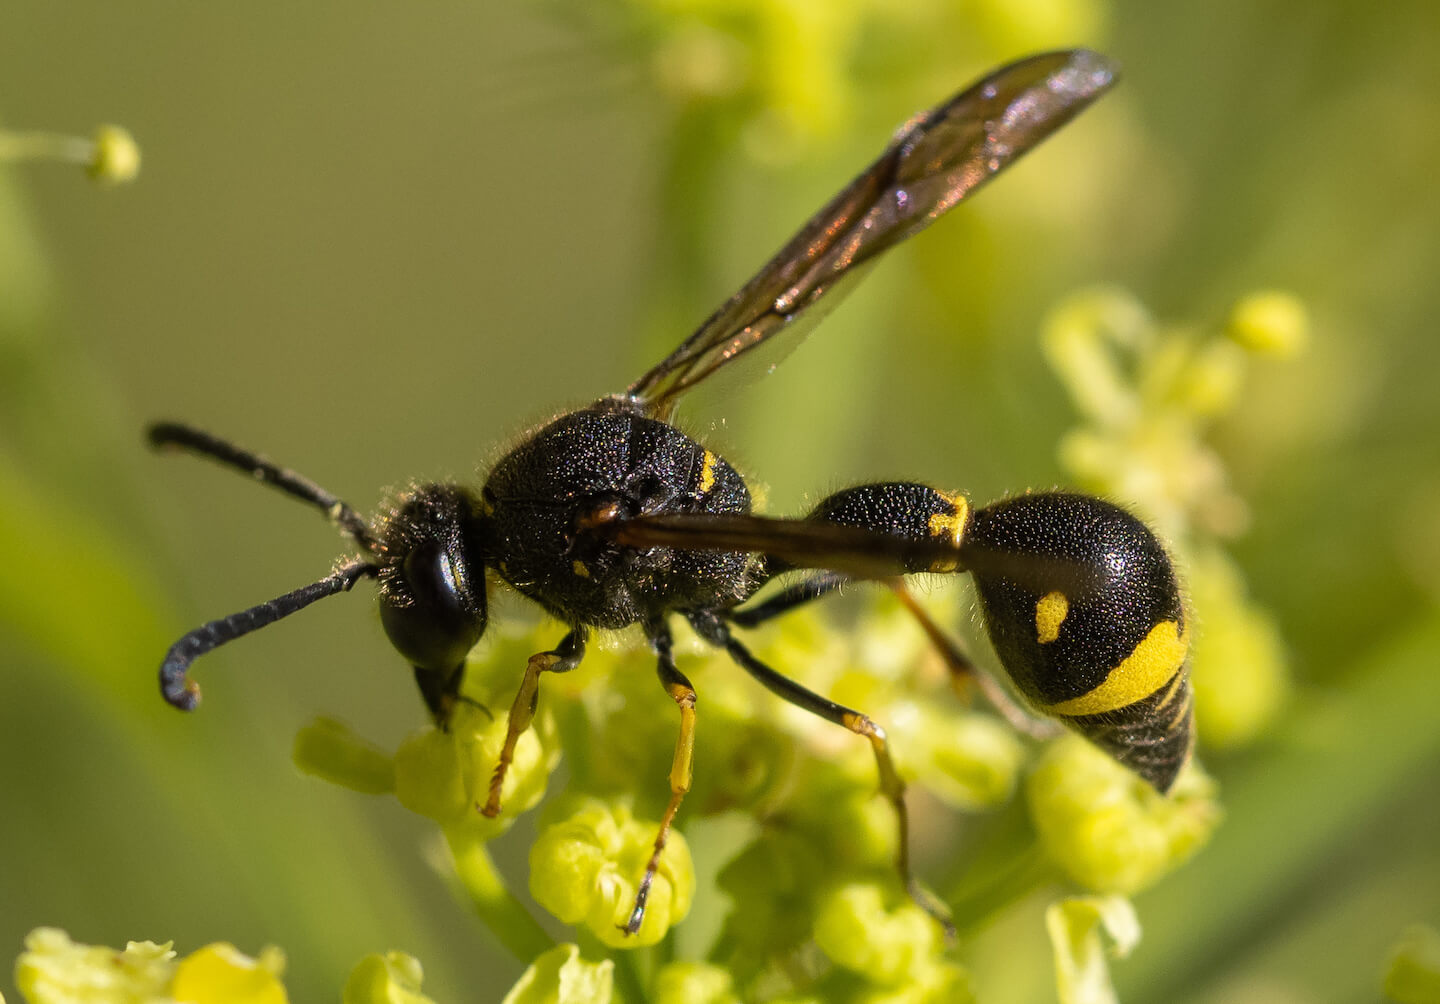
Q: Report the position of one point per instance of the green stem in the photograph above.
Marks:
(19, 146)
(506, 916)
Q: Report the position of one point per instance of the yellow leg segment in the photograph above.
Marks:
(563, 658)
(682, 768)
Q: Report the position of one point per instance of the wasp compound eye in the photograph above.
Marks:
(431, 615)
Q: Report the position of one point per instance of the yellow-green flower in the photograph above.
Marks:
(1270, 323)
(221, 974)
(1108, 830)
(445, 774)
(392, 978)
(586, 865)
(55, 970)
(561, 976)
(1238, 666)
(116, 158)
(863, 928)
(694, 983)
(1085, 933)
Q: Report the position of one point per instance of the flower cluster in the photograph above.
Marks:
(1147, 394)
(56, 970)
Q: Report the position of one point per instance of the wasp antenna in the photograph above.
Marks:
(177, 435)
(182, 692)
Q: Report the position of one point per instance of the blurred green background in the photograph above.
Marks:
(378, 241)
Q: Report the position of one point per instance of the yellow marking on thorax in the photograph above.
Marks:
(1050, 613)
(950, 526)
(580, 569)
(1153, 664)
(707, 472)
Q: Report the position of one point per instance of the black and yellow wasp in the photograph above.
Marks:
(610, 516)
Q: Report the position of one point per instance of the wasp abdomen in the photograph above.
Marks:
(1081, 603)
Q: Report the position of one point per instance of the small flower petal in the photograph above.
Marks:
(392, 978)
(1076, 926)
(221, 974)
(561, 976)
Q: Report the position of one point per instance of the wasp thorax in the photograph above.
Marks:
(432, 581)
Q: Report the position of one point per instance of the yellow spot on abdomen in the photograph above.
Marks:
(950, 526)
(1153, 664)
(707, 472)
(580, 569)
(1050, 613)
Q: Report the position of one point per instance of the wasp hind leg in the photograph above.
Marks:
(964, 674)
(717, 632)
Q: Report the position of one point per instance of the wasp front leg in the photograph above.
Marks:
(561, 659)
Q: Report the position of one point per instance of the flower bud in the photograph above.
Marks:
(1238, 669)
(970, 760)
(1109, 830)
(694, 983)
(857, 930)
(116, 158)
(586, 867)
(392, 978)
(331, 751)
(1076, 926)
(1270, 323)
(445, 774)
(560, 976)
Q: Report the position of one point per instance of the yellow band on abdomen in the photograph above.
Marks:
(1153, 664)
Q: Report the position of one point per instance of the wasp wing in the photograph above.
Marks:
(795, 543)
(935, 161)
(854, 551)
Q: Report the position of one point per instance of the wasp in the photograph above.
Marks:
(611, 516)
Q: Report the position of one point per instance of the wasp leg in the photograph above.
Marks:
(561, 659)
(681, 768)
(715, 631)
(965, 674)
(787, 599)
